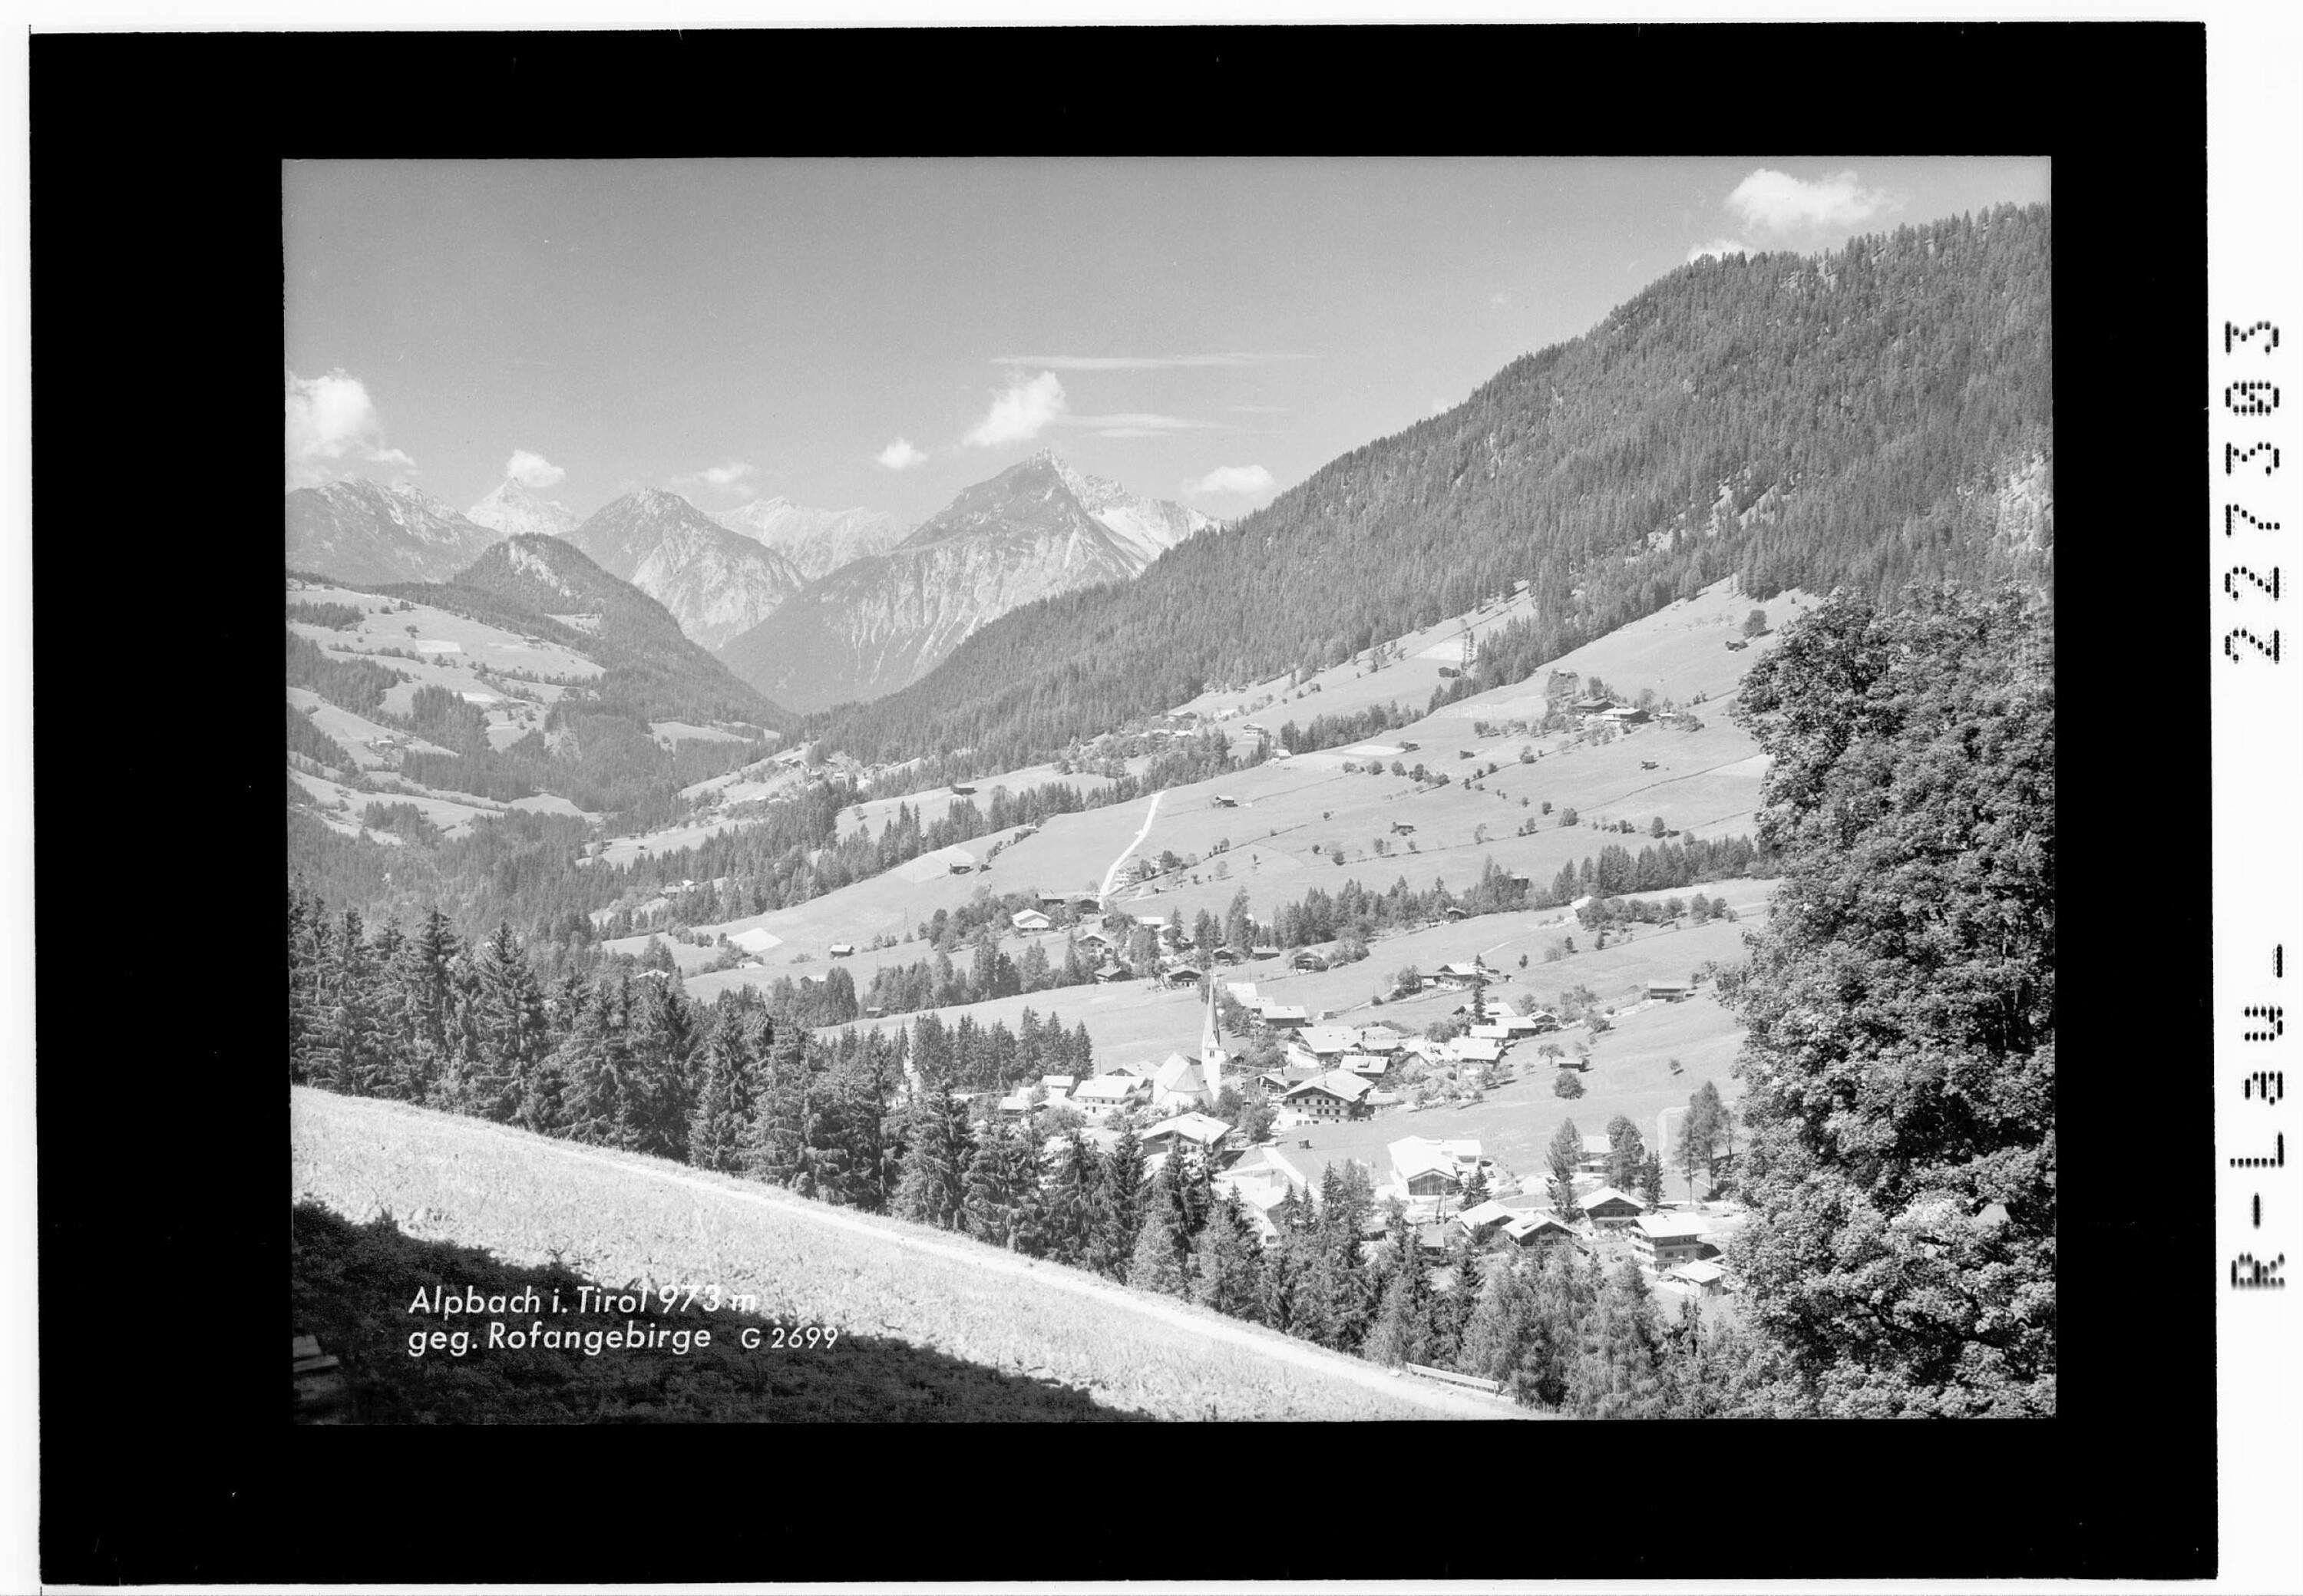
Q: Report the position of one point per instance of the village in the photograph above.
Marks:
(1241, 1116)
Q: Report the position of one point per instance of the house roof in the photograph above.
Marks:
(1597, 1147)
(1700, 1271)
(1336, 1083)
(1192, 1127)
(1607, 1194)
(1526, 1224)
(1478, 1048)
(1488, 1213)
(1115, 1087)
(1279, 1011)
(1178, 1074)
(1059, 1082)
(1327, 1039)
(1671, 1227)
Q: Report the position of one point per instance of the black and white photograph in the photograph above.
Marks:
(1125, 788)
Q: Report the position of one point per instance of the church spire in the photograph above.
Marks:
(1211, 1053)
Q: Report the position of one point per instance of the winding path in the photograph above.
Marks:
(1132, 846)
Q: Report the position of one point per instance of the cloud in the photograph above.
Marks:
(900, 456)
(332, 422)
(1498, 299)
(531, 469)
(1232, 480)
(1138, 362)
(1717, 249)
(1441, 405)
(1131, 425)
(1775, 201)
(727, 475)
(1022, 411)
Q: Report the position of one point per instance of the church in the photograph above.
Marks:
(1181, 1084)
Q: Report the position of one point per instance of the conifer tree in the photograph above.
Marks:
(781, 1111)
(1561, 1157)
(1223, 1261)
(719, 1126)
(661, 1036)
(1627, 1153)
(1157, 1264)
(1076, 1210)
(995, 1189)
(510, 1034)
(1125, 1188)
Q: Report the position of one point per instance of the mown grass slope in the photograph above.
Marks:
(952, 1329)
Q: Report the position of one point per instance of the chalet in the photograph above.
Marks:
(1309, 962)
(1263, 950)
(1473, 971)
(963, 789)
(1666, 1240)
(1015, 1105)
(1226, 955)
(1225, 803)
(1426, 1168)
(1338, 1095)
(1532, 1023)
(1328, 1042)
(843, 949)
(960, 868)
(1533, 1230)
(1492, 1032)
(1284, 1017)
(1454, 911)
(1087, 906)
(1609, 1209)
(1058, 1086)
(1274, 1081)
(1203, 1132)
(1475, 1050)
(1053, 900)
(1670, 992)
(1598, 1152)
(1400, 828)
(1183, 974)
(1484, 1219)
(1029, 920)
(1700, 1275)
(1102, 1093)
(1367, 1066)
(1108, 971)
(1094, 939)
(1379, 1039)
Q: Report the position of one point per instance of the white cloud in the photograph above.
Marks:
(332, 422)
(900, 456)
(1717, 249)
(1133, 424)
(1778, 202)
(1138, 362)
(531, 469)
(1439, 405)
(1498, 299)
(1023, 411)
(727, 475)
(1230, 479)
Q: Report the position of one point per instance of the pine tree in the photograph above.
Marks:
(1156, 1265)
(719, 1124)
(1627, 1154)
(661, 1036)
(1126, 1186)
(510, 1034)
(1561, 1157)
(1076, 1210)
(1223, 1261)
(1402, 1330)
(995, 1190)
(781, 1114)
(933, 1189)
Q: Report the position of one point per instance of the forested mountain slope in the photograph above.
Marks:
(1861, 417)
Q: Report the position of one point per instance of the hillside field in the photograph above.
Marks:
(932, 1325)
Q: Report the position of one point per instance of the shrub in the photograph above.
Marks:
(1568, 1084)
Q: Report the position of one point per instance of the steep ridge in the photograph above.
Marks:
(361, 531)
(884, 621)
(716, 583)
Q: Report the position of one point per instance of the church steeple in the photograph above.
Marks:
(1211, 1053)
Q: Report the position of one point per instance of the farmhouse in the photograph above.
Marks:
(1101, 1093)
(1326, 1042)
(1263, 950)
(1534, 1023)
(1598, 1151)
(1491, 1032)
(1283, 1017)
(1226, 955)
(1609, 1209)
(1183, 974)
(1309, 962)
(1368, 1066)
(1053, 900)
(1426, 1168)
(842, 949)
(1107, 972)
(1483, 1221)
(1029, 920)
(1670, 992)
(1337, 1096)
(1666, 1240)
(1379, 1039)
(1203, 1132)
(1086, 906)
(1058, 1086)
(1533, 1230)
(1225, 803)
(1474, 1050)
(1705, 1277)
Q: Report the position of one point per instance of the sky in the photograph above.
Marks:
(886, 333)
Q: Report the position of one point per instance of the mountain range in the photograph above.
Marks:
(817, 542)
(361, 531)
(878, 623)
(717, 584)
(515, 509)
